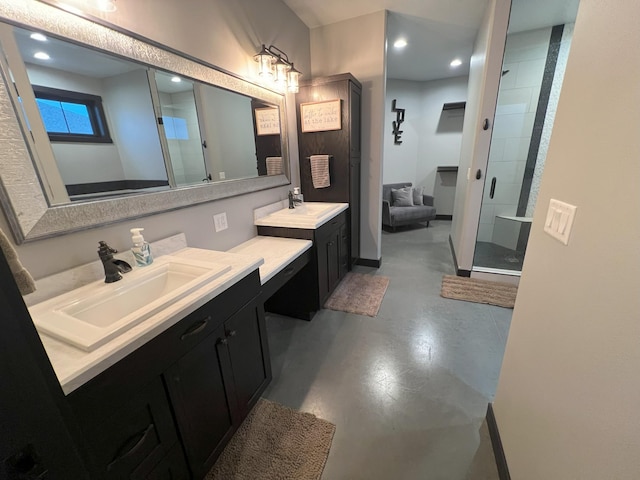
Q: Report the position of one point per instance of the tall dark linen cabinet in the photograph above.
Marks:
(343, 145)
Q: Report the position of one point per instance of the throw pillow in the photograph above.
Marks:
(402, 197)
(417, 195)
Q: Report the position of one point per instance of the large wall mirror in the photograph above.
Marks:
(97, 126)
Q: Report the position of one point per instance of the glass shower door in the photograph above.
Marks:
(532, 73)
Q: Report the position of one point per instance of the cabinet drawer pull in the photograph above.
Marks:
(137, 439)
(288, 271)
(232, 333)
(195, 328)
(223, 341)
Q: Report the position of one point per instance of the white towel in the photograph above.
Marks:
(320, 171)
(274, 165)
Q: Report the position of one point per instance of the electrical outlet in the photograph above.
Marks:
(220, 221)
(222, 175)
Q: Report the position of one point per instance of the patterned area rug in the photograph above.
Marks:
(479, 291)
(359, 293)
(276, 442)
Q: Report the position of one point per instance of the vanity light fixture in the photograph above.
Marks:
(274, 64)
(455, 63)
(39, 37)
(41, 56)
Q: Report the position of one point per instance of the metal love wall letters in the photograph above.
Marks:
(397, 133)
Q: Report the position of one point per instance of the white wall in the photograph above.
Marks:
(79, 162)
(431, 137)
(357, 46)
(568, 394)
(525, 56)
(484, 78)
(223, 33)
(133, 125)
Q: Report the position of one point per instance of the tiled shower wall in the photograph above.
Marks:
(524, 62)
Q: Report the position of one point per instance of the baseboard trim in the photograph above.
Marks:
(444, 217)
(367, 262)
(459, 272)
(496, 445)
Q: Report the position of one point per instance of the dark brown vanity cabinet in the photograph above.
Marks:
(342, 145)
(168, 409)
(306, 293)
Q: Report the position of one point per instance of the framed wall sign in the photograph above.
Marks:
(321, 116)
(267, 121)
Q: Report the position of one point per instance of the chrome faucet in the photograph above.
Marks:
(112, 266)
(295, 198)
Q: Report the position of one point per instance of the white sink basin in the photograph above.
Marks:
(310, 215)
(96, 313)
(311, 209)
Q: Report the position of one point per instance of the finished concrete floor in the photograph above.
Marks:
(408, 389)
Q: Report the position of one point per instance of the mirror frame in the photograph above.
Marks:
(24, 202)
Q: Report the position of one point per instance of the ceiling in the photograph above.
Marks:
(437, 31)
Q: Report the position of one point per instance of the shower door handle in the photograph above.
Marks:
(493, 187)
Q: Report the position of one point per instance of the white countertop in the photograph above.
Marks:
(296, 218)
(278, 252)
(74, 367)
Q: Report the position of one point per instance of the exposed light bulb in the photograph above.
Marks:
(41, 56)
(456, 63)
(400, 43)
(39, 37)
(106, 5)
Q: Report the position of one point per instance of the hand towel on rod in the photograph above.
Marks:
(320, 171)
(274, 165)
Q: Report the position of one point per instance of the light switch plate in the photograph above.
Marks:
(220, 221)
(560, 220)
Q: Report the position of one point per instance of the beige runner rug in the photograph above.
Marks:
(359, 293)
(276, 443)
(479, 291)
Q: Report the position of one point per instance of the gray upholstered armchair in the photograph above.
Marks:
(393, 216)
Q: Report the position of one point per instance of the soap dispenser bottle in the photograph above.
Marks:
(141, 249)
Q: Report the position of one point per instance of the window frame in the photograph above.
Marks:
(93, 103)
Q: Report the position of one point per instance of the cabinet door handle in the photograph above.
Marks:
(330, 244)
(288, 271)
(137, 439)
(223, 341)
(195, 328)
(232, 333)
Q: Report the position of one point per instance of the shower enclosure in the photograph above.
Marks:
(532, 73)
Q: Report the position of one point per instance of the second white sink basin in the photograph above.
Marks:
(311, 209)
(95, 314)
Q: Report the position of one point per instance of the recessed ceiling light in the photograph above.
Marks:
(176, 79)
(456, 63)
(41, 56)
(400, 43)
(39, 37)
